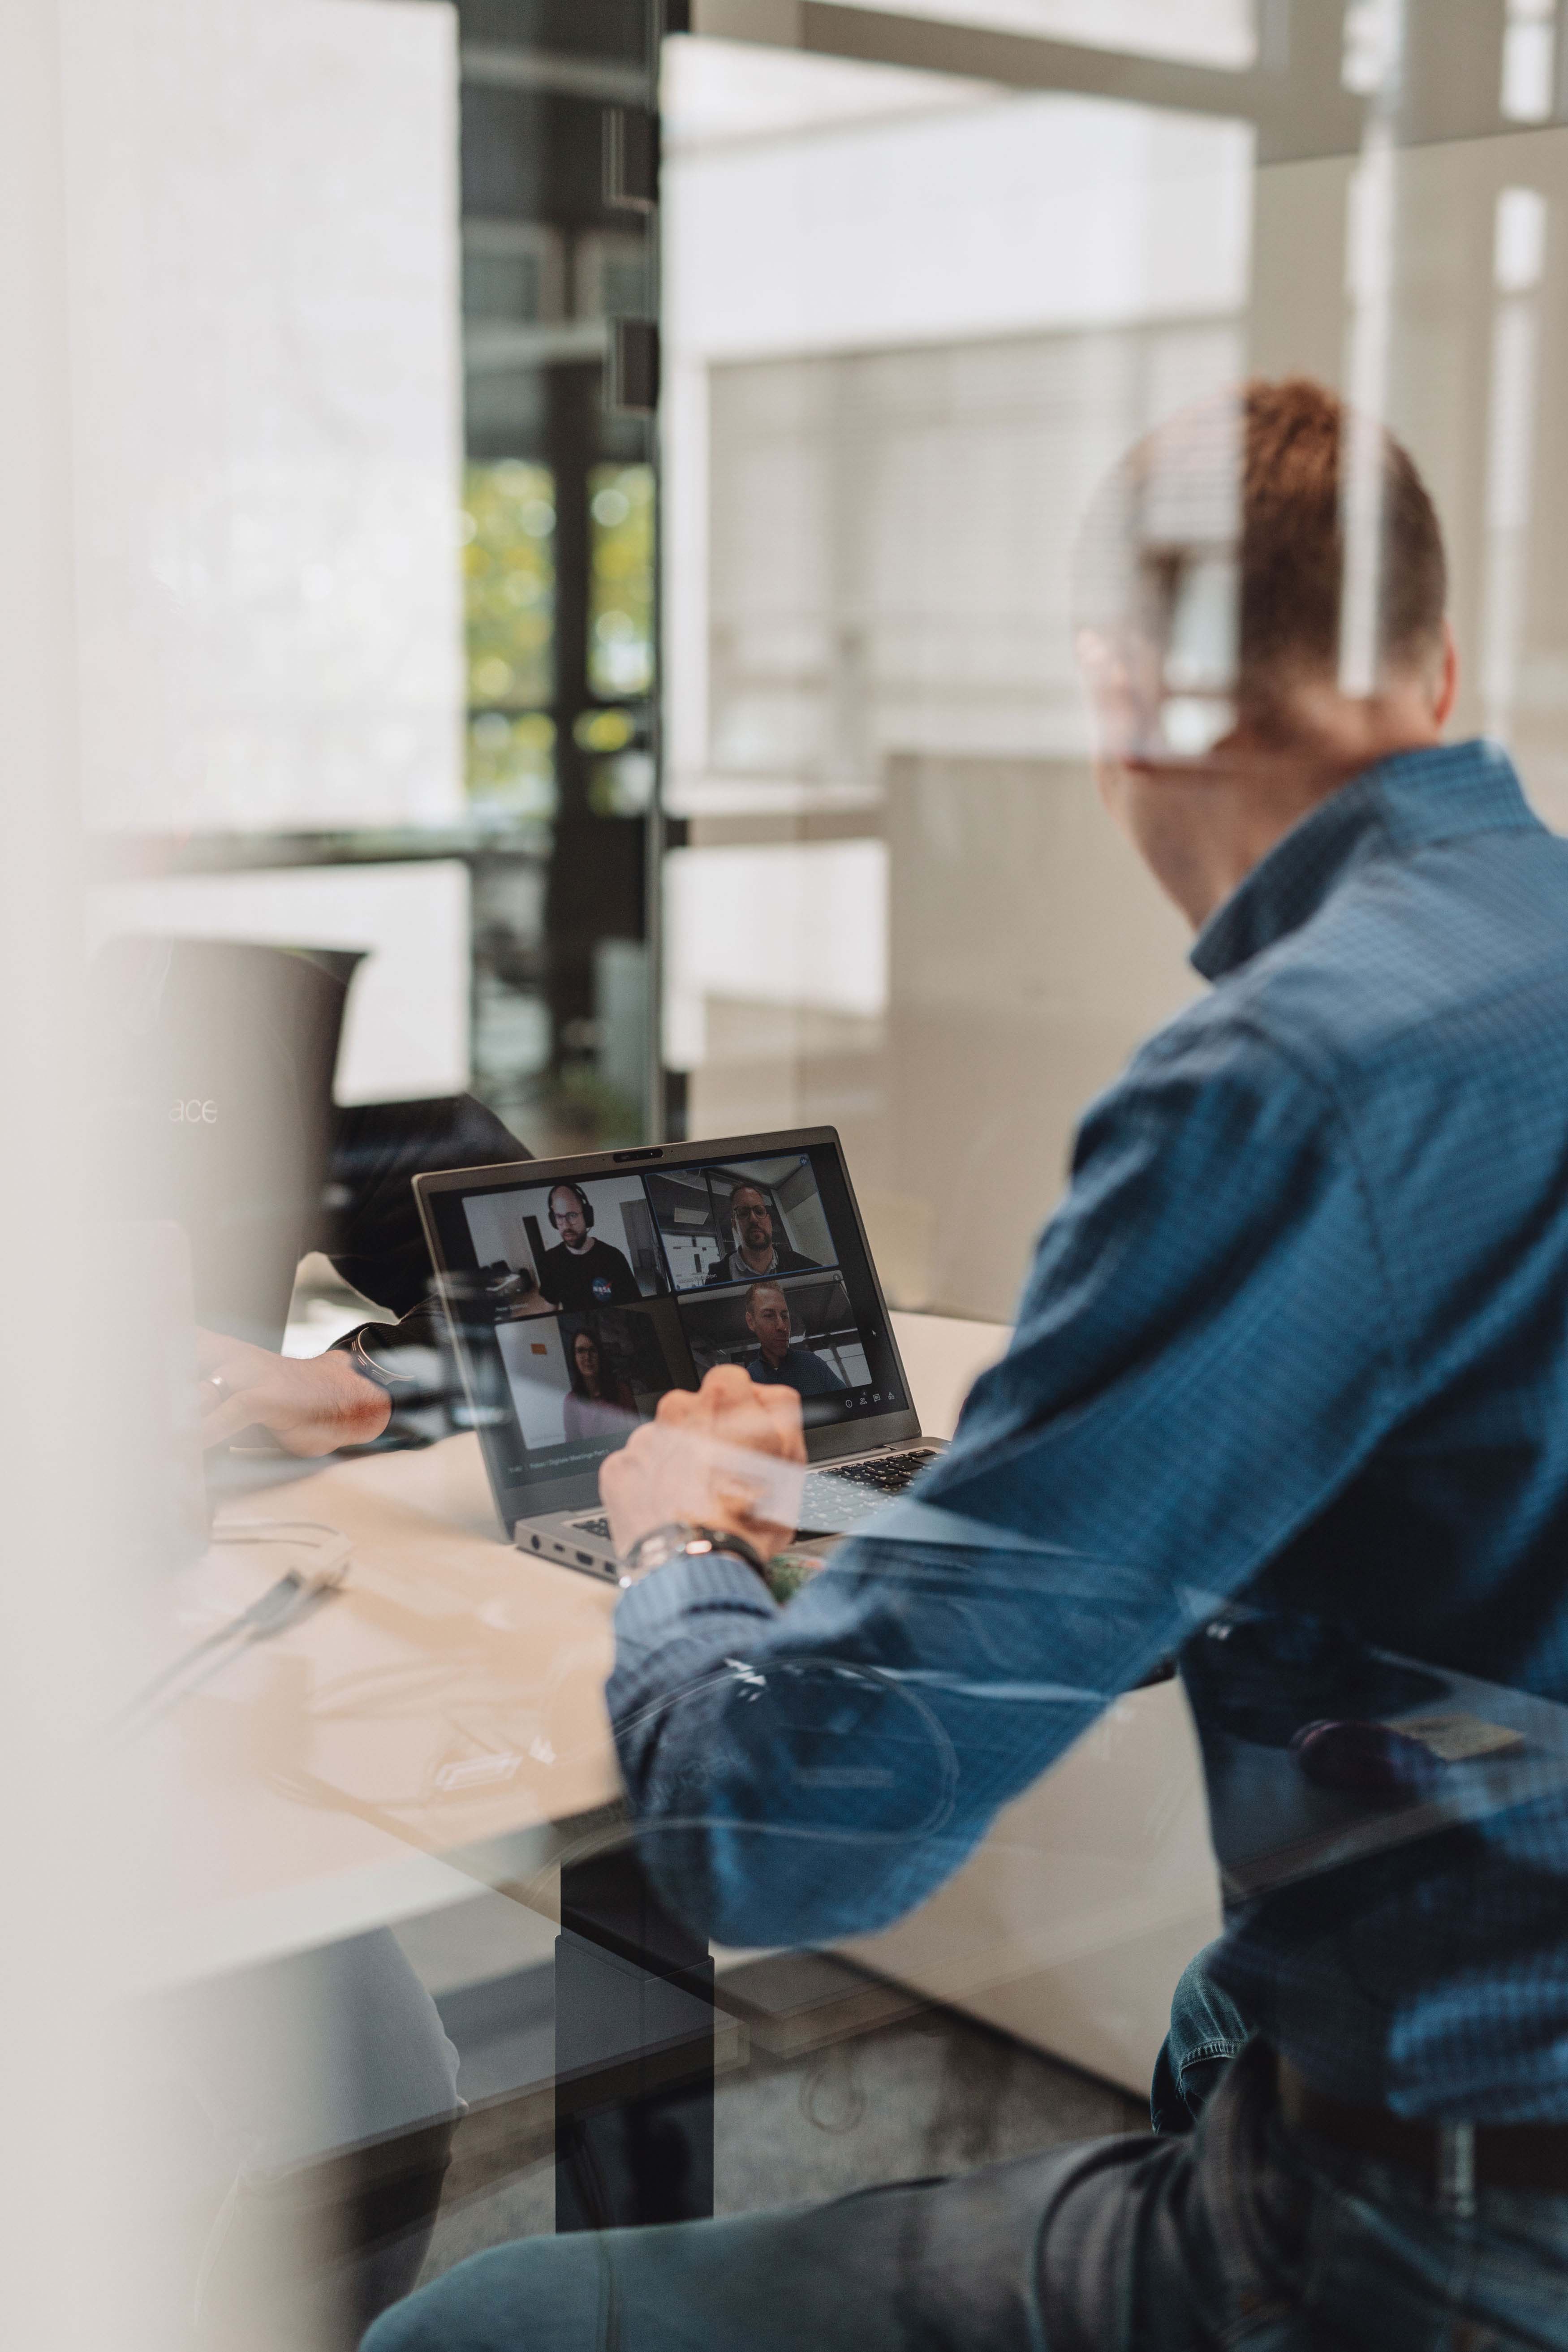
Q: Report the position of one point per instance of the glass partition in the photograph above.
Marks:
(613, 581)
(898, 368)
(911, 317)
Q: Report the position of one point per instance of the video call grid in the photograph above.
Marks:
(848, 1388)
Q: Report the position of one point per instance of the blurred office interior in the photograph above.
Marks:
(662, 784)
(571, 502)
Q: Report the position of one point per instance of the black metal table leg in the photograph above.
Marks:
(634, 2053)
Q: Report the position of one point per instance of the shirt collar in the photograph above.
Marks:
(1403, 803)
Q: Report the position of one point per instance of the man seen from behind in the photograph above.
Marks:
(1288, 1400)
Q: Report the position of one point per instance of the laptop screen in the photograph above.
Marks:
(584, 1289)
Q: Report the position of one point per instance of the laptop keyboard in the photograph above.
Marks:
(843, 1496)
(840, 1498)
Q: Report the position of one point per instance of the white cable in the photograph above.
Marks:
(279, 1606)
(322, 1572)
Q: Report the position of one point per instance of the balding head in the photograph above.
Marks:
(1217, 548)
(1246, 653)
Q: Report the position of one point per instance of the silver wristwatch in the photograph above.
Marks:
(380, 1376)
(685, 1539)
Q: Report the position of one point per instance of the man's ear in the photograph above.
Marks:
(1447, 681)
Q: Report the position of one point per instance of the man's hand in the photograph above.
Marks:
(724, 1458)
(309, 1404)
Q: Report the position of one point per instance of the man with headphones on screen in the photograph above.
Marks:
(580, 1271)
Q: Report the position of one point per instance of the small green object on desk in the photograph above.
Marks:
(788, 1571)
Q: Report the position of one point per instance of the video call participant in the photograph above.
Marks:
(758, 1253)
(778, 1365)
(579, 1271)
(600, 1404)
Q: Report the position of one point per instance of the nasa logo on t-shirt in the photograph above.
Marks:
(601, 1286)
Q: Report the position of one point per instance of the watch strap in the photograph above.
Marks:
(687, 1540)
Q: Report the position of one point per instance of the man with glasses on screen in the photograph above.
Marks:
(756, 1251)
(1287, 1398)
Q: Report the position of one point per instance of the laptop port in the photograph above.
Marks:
(583, 1559)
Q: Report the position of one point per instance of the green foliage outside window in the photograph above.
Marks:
(620, 590)
(509, 583)
(512, 761)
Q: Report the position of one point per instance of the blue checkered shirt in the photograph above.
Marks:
(1288, 1396)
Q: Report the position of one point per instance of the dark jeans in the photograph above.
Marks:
(1208, 2030)
(1241, 2233)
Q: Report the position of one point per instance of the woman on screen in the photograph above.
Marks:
(600, 1404)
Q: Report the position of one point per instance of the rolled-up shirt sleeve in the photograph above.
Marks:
(1206, 1349)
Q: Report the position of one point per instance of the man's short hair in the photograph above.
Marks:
(776, 1287)
(747, 1185)
(1247, 488)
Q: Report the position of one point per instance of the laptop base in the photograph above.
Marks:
(581, 1539)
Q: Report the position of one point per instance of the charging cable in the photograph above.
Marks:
(298, 1589)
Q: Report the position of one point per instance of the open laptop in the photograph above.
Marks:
(579, 1290)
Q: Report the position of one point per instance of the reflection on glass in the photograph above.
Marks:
(1519, 255)
(620, 591)
(917, 318)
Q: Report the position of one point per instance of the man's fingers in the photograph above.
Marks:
(675, 1406)
(638, 1460)
(783, 1408)
(727, 1455)
(767, 1421)
(734, 1408)
(311, 1405)
(232, 1414)
(616, 1479)
(217, 1352)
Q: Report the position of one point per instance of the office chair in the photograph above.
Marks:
(216, 1094)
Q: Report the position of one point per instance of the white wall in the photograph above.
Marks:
(1202, 32)
(784, 926)
(536, 1372)
(1008, 213)
(497, 1230)
(913, 227)
(909, 324)
(264, 317)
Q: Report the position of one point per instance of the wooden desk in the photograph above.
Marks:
(441, 1722)
(438, 1721)
(365, 1764)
